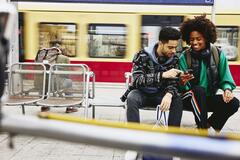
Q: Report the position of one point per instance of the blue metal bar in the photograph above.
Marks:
(152, 143)
(165, 2)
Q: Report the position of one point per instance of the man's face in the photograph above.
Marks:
(167, 49)
(197, 41)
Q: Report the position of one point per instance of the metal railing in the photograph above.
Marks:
(142, 138)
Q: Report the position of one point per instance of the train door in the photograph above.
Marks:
(152, 24)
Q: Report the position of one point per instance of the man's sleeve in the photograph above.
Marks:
(172, 84)
(141, 75)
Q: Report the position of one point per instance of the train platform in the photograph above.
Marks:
(108, 107)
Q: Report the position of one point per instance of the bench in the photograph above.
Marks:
(69, 85)
(161, 117)
(21, 89)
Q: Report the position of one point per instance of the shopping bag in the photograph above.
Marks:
(162, 118)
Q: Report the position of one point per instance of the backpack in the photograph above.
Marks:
(41, 55)
(214, 50)
(49, 54)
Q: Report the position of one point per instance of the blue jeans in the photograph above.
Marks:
(137, 99)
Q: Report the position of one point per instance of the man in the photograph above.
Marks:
(155, 78)
(54, 55)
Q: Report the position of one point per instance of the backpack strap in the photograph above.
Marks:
(215, 52)
(188, 58)
(41, 55)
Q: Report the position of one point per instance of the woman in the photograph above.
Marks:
(210, 72)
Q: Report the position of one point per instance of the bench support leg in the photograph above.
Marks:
(93, 111)
(23, 110)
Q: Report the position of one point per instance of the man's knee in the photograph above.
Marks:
(133, 98)
(177, 99)
(177, 102)
(133, 103)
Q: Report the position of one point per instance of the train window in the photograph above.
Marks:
(106, 40)
(227, 40)
(58, 34)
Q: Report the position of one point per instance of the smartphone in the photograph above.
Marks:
(188, 71)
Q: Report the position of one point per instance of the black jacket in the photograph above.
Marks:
(147, 74)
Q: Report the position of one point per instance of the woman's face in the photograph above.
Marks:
(197, 41)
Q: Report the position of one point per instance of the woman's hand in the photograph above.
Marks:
(227, 96)
(185, 77)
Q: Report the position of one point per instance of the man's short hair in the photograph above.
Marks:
(168, 33)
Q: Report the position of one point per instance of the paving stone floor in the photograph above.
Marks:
(37, 148)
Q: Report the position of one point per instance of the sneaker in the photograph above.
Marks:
(71, 109)
(131, 155)
(45, 109)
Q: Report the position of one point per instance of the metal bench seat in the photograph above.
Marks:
(20, 99)
(59, 102)
(22, 88)
(69, 85)
(160, 120)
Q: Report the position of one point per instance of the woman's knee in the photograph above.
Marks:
(234, 105)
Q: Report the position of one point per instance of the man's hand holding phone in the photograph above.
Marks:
(186, 76)
(172, 73)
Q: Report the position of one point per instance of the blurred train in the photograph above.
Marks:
(105, 36)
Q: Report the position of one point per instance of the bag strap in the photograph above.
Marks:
(41, 55)
(215, 52)
(188, 57)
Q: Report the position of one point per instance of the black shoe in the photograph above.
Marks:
(45, 109)
(71, 109)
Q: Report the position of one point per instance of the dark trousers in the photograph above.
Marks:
(221, 110)
(137, 99)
